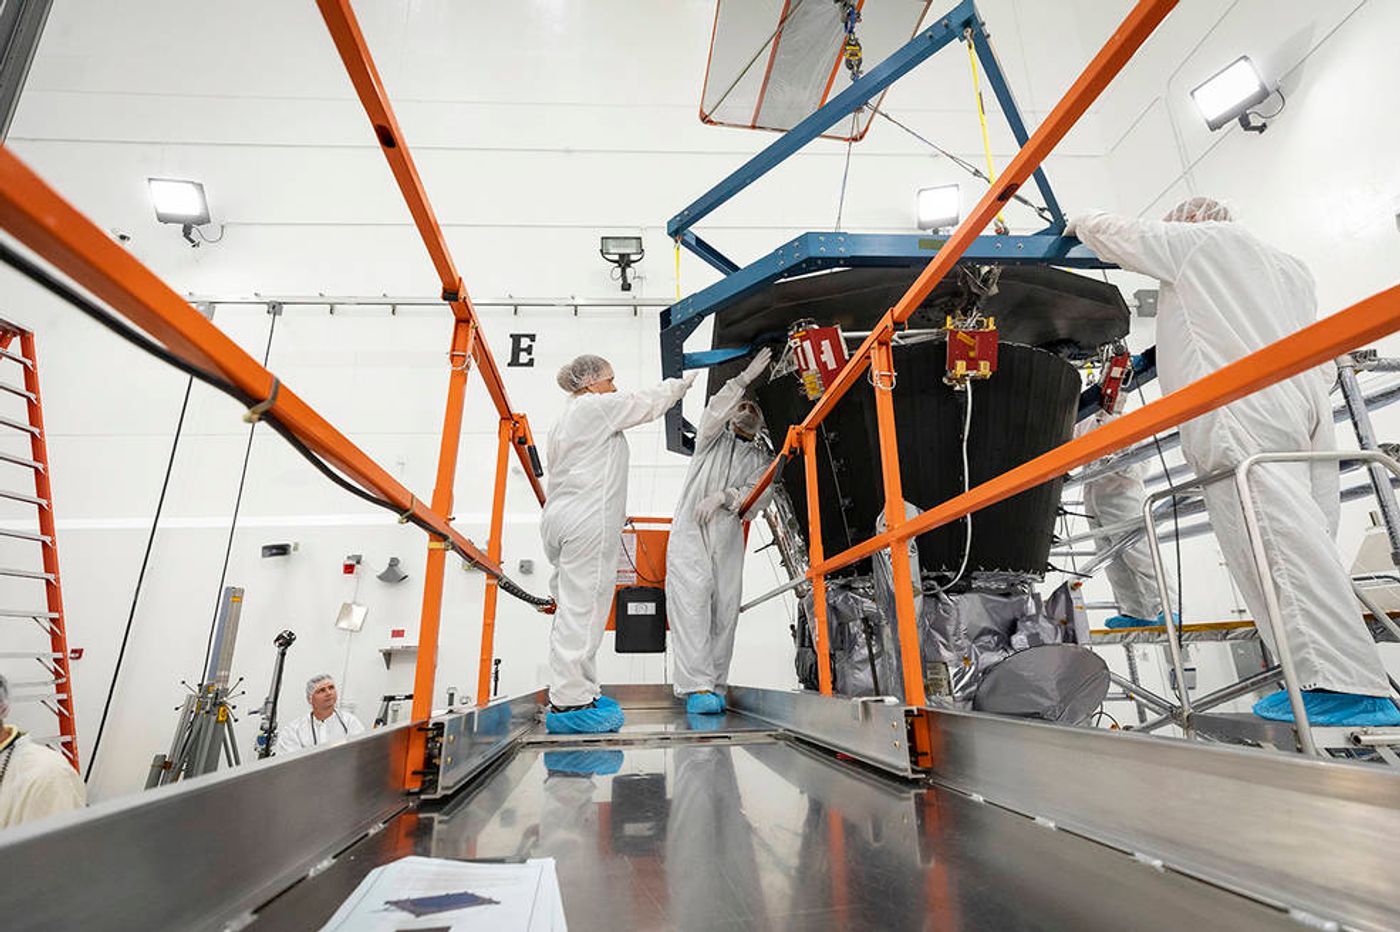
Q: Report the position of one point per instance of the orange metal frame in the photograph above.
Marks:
(40, 218)
(1362, 323)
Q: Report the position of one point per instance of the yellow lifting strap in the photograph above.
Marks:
(678, 268)
(982, 116)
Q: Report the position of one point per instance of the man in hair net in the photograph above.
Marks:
(35, 780)
(1224, 295)
(585, 506)
(324, 724)
(705, 553)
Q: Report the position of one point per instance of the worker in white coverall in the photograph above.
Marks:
(1114, 497)
(35, 780)
(325, 724)
(705, 552)
(1226, 294)
(586, 503)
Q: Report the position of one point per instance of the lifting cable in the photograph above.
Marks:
(140, 578)
(982, 118)
(238, 499)
(962, 163)
(65, 292)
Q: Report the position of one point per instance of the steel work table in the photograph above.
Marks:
(792, 811)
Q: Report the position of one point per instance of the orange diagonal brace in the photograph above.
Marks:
(359, 64)
(1362, 323)
(38, 217)
(1116, 52)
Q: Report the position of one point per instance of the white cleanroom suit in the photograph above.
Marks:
(35, 780)
(705, 552)
(1226, 294)
(586, 503)
(307, 731)
(1112, 498)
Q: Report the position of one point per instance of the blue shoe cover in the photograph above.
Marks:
(604, 702)
(704, 704)
(1128, 621)
(583, 763)
(1162, 619)
(599, 718)
(1328, 708)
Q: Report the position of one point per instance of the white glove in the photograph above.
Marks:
(690, 377)
(709, 506)
(1072, 225)
(757, 367)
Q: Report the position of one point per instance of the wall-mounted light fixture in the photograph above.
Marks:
(181, 201)
(623, 252)
(939, 207)
(1230, 93)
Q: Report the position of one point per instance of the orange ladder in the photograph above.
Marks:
(54, 661)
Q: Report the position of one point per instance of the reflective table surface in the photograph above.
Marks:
(716, 825)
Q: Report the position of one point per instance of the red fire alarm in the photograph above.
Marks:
(972, 350)
(352, 562)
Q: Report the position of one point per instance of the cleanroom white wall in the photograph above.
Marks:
(537, 126)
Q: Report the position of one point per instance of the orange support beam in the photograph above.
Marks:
(821, 642)
(359, 64)
(58, 233)
(493, 550)
(1116, 52)
(425, 670)
(907, 622)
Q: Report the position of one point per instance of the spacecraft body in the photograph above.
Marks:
(976, 601)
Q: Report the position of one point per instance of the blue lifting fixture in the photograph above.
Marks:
(819, 251)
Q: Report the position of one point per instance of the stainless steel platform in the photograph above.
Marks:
(771, 835)
(792, 811)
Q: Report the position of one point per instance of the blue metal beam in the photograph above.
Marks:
(710, 254)
(909, 56)
(812, 252)
(997, 78)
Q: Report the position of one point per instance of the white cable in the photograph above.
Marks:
(967, 541)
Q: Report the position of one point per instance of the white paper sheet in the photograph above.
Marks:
(527, 897)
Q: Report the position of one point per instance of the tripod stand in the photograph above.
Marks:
(205, 730)
(266, 741)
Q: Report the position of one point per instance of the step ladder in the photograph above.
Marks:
(52, 685)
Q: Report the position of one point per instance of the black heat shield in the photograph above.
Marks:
(1026, 408)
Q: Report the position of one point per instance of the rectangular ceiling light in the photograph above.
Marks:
(1230, 92)
(178, 201)
(939, 207)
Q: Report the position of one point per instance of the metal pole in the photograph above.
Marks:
(493, 550)
(1168, 617)
(1366, 439)
(425, 671)
(820, 642)
(1142, 696)
(797, 583)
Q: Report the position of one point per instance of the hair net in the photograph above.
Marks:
(4, 698)
(582, 372)
(1199, 210)
(747, 419)
(315, 681)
